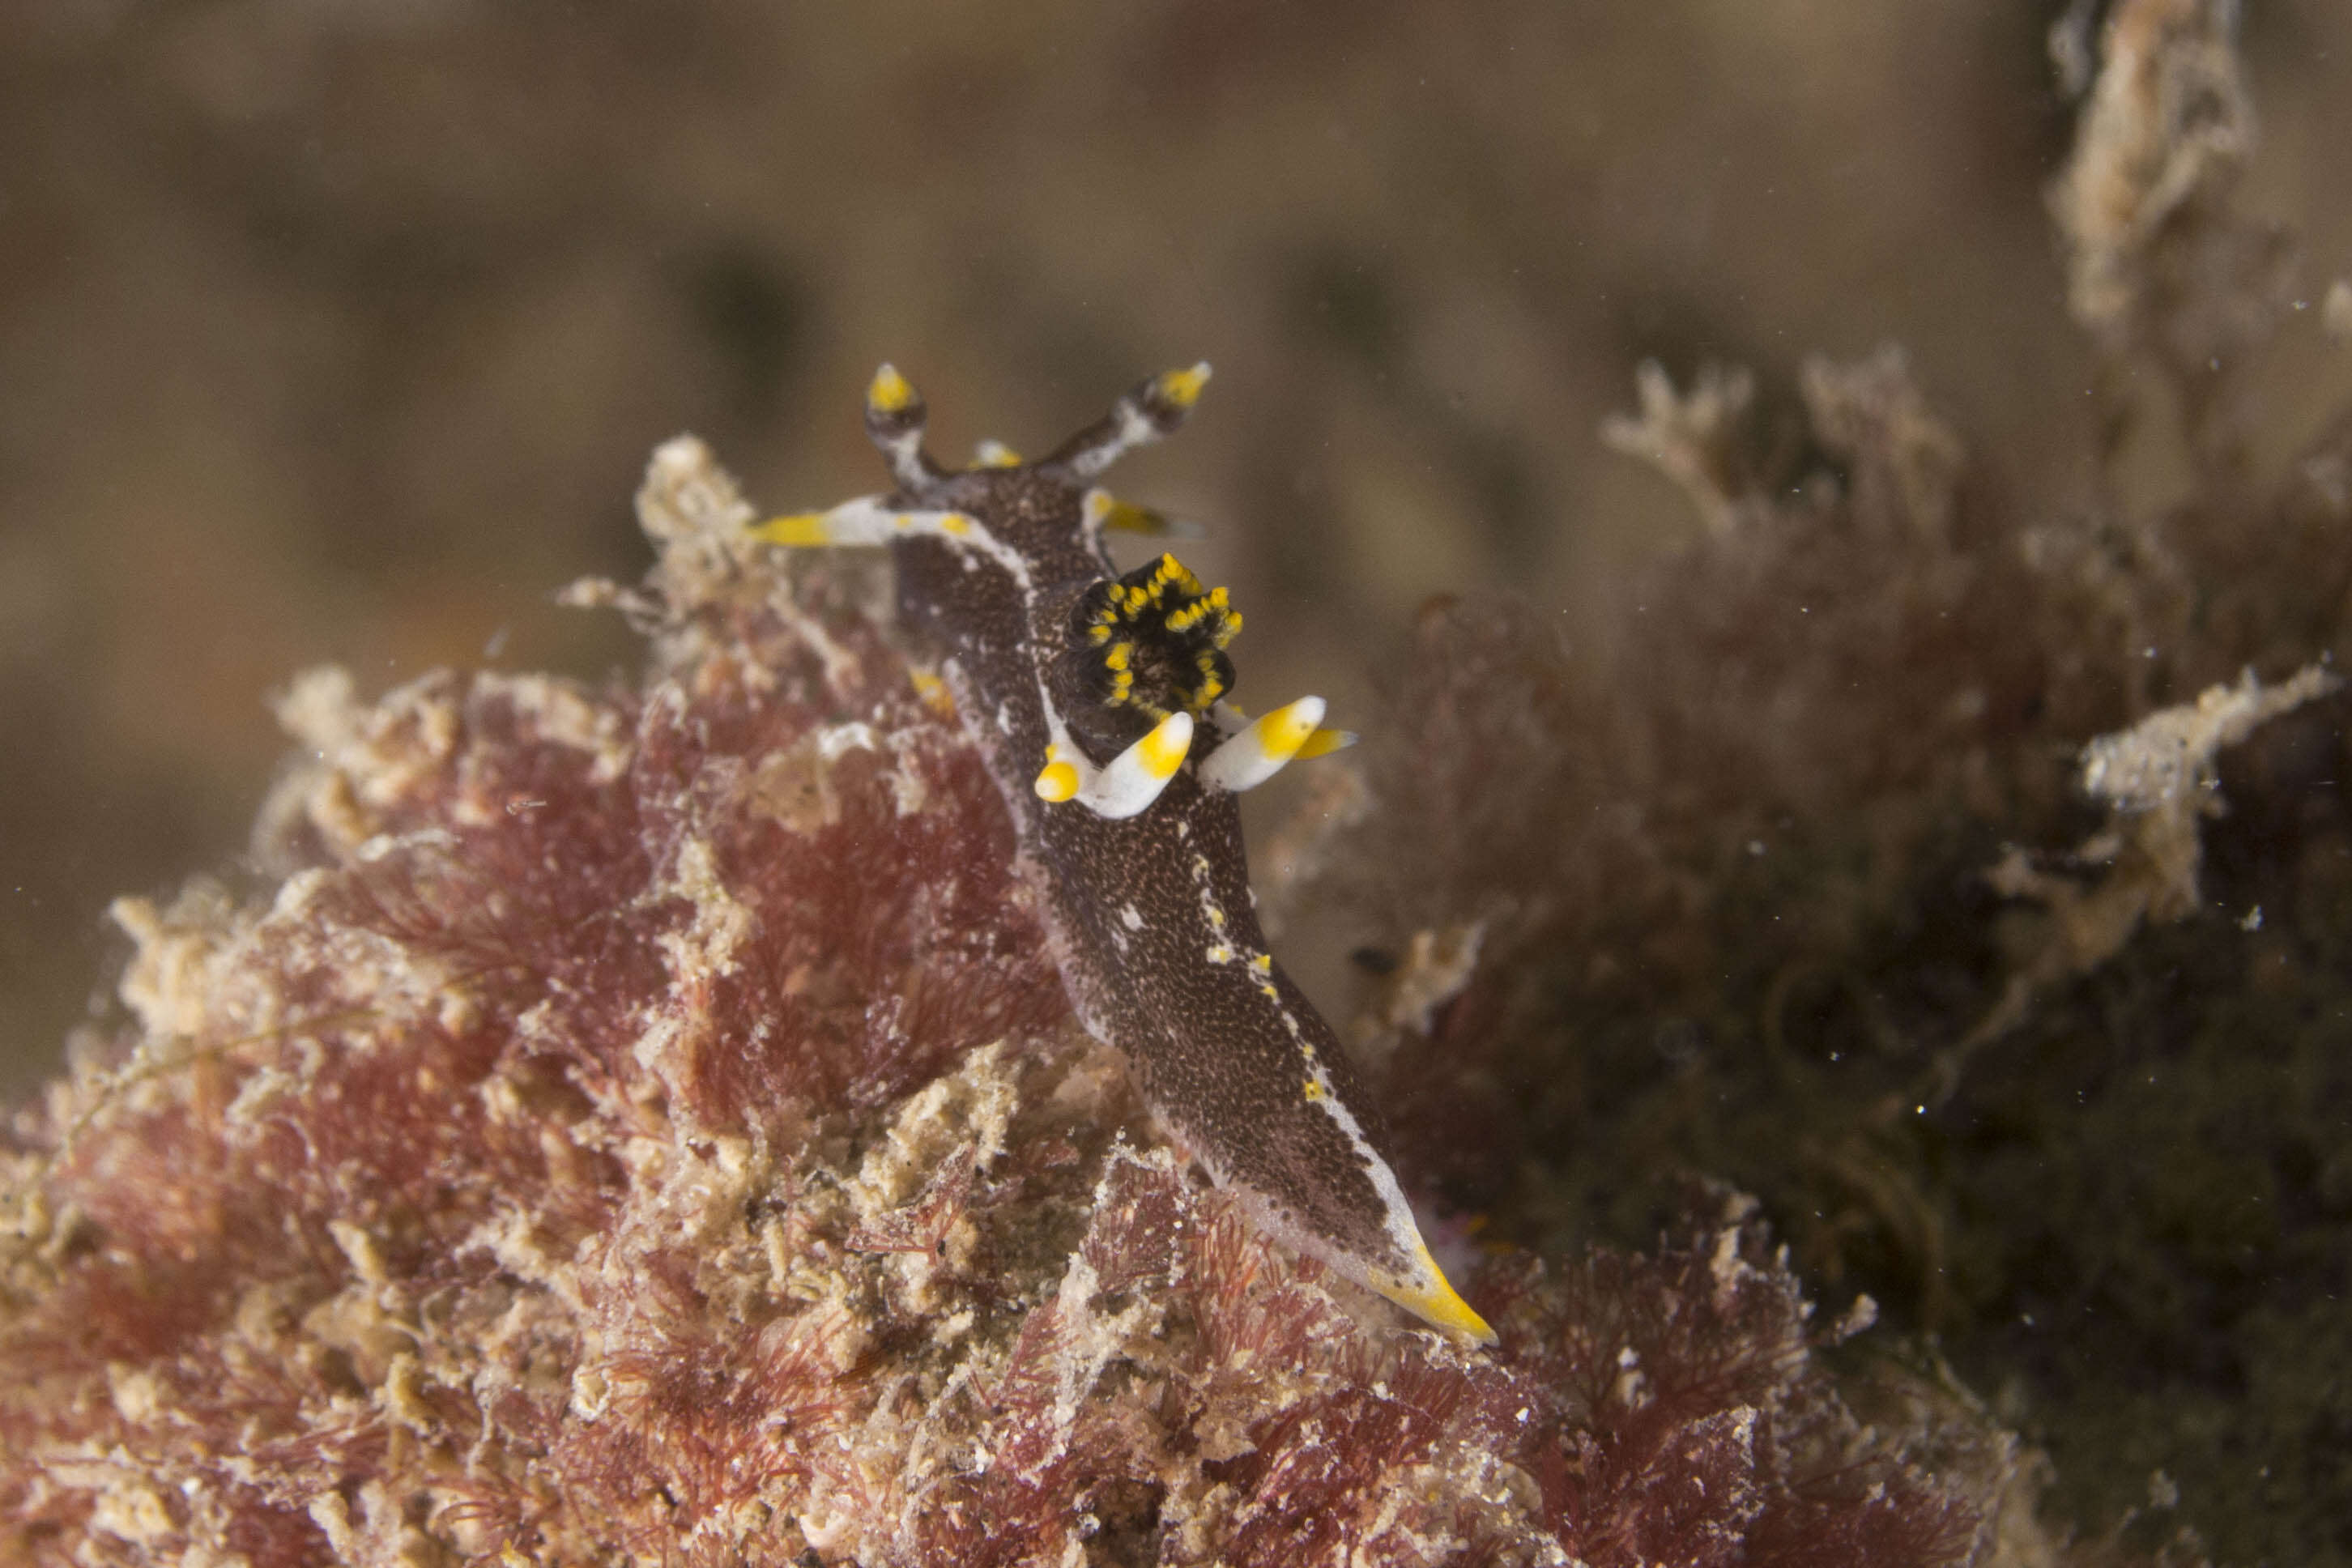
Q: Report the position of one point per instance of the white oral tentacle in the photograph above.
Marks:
(1262, 749)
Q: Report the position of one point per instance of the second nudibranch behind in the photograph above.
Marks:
(1100, 702)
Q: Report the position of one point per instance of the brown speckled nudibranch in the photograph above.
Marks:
(1099, 701)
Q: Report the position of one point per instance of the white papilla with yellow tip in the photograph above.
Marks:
(1261, 749)
(1129, 782)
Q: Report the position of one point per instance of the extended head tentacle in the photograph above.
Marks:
(865, 521)
(894, 418)
(1145, 415)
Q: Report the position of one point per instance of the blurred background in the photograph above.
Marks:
(341, 330)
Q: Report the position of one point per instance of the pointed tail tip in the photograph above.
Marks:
(1433, 1300)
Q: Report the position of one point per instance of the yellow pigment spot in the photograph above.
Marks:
(1262, 963)
(1221, 953)
(801, 529)
(1163, 749)
(955, 523)
(1322, 742)
(1182, 387)
(890, 393)
(1314, 1090)
(1287, 730)
(1268, 992)
(1117, 658)
(933, 692)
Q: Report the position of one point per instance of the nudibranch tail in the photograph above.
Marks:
(1099, 701)
(1432, 1298)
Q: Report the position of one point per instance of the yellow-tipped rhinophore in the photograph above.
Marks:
(1436, 1301)
(801, 529)
(890, 392)
(1182, 387)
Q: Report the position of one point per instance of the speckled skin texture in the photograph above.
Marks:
(1211, 1054)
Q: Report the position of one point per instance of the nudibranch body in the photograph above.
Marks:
(1099, 701)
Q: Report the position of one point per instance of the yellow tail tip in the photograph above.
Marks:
(1433, 1300)
(1182, 387)
(890, 391)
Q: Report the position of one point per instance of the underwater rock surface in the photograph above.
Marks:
(644, 1121)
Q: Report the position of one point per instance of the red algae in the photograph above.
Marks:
(646, 1124)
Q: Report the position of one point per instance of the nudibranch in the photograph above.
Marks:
(1099, 701)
